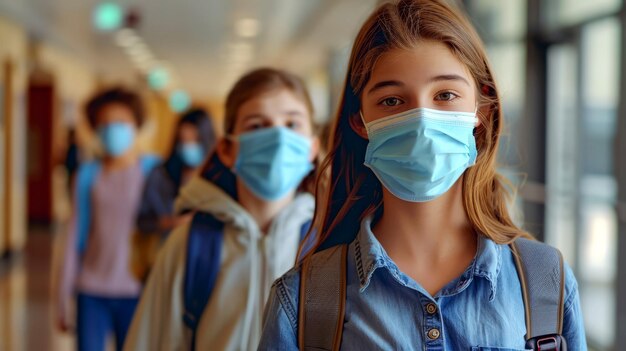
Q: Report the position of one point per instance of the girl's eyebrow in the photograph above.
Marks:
(385, 83)
(397, 83)
(252, 115)
(444, 77)
(293, 113)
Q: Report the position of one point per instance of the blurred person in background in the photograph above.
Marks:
(252, 205)
(193, 139)
(72, 158)
(95, 267)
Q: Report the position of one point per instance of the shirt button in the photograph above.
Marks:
(434, 334)
(431, 308)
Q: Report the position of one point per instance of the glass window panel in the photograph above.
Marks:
(598, 242)
(565, 12)
(601, 59)
(499, 19)
(508, 61)
(562, 158)
(502, 25)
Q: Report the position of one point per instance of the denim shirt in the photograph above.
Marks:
(387, 310)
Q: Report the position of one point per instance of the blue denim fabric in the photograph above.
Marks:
(97, 317)
(387, 310)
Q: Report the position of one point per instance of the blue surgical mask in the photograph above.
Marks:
(192, 154)
(272, 161)
(117, 138)
(419, 154)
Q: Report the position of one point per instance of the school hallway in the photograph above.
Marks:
(559, 67)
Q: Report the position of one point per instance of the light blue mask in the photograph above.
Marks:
(272, 161)
(192, 154)
(419, 154)
(116, 137)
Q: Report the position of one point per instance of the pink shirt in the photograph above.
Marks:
(104, 268)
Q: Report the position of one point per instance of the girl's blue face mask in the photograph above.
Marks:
(272, 161)
(192, 154)
(420, 153)
(117, 138)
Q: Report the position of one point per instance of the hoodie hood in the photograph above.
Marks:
(202, 195)
(250, 262)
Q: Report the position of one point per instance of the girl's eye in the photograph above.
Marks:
(392, 101)
(254, 126)
(446, 96)
(293, 125)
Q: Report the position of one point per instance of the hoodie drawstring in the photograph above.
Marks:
(253, 286)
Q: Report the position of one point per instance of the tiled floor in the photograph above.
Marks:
(25, 306)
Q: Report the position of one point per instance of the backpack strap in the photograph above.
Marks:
(542, 277)
(148, 163)
(306, 244)
(322, 299)
(204, 247)
(323, 294)
(87, 174)
(305, 229)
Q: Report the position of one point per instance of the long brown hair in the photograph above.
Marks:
(252, 84)
(353, 192)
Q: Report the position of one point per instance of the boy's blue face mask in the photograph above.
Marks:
(192, 154)
(272, 161)
(116, 137)
(420, 153)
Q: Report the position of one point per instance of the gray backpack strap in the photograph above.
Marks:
(542, 277)
(322, 300)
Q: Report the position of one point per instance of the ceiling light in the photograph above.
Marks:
(158, 78)
(107, 16)
(139, 53)
(126, 38)
(144, 62)
(179, 101)
(247, 27)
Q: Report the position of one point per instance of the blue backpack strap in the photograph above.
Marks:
(542, 277)
(149, 162)
(204, 247)
(305, 229)
(86, 177)
(306, 244)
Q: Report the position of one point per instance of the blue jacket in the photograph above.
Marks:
(385, 309)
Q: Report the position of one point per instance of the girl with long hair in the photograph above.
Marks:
(413, 229)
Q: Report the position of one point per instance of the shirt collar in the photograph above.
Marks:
(370, 255)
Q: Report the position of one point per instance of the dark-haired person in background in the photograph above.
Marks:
(193, 139)
(72, 158)
(107, 196)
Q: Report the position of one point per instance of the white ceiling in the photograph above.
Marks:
(197, 37)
